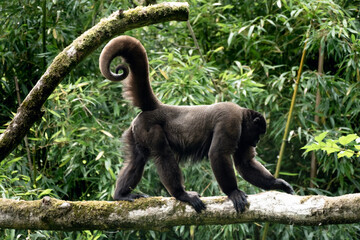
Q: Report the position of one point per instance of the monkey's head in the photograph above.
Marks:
(253, 126)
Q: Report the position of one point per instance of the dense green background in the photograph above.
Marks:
(252, 51)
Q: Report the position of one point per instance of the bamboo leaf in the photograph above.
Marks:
(345, 140)
(107, 133)
(347, 153)
(99, 155)
(320, 137)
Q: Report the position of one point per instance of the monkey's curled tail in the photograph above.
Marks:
(137, 84)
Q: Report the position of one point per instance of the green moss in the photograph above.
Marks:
(219, 200)
(304, 199)
(144, 203)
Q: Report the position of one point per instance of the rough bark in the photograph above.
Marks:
(117, 23)
(161, 213)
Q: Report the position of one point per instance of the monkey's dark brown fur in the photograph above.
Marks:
(224, 133)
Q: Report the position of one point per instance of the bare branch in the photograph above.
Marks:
(161, 213)
(117, 23)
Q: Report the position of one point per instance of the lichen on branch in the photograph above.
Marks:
(160, 213)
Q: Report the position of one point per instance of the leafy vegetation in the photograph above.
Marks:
(345, 154)
(250, 55)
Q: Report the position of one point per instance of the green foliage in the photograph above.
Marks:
(349, 145)
(340, 161)
(251, 50)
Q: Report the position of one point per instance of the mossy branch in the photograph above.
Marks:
(117, 23)
(159, 213)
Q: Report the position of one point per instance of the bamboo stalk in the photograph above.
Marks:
(313, 169)
(282, 148)
(287, 127)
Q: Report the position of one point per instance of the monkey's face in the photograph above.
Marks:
(253, 128)
(254, 139)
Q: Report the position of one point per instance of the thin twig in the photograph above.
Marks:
(201, 55)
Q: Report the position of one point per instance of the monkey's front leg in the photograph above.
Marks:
(169, 171)
(225, 176)
(255, 173)
(170, 176)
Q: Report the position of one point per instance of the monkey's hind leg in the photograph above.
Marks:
(132, 172)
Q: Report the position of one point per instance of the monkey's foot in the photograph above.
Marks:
(239, 200)
(130, 197)
(283, 185)
(193, 198)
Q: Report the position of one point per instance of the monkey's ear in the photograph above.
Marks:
(257, 120)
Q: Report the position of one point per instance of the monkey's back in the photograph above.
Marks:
(188, 129)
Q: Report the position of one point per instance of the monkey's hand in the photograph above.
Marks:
(130, 197)
(239, 200)
(281, 184)
(193, 198)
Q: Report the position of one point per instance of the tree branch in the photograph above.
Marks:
(117, 23)
(161, 213)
